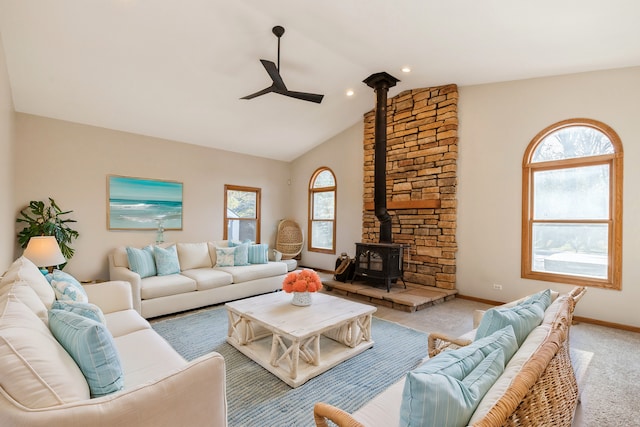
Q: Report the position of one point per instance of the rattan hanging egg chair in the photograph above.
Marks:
(289, 239)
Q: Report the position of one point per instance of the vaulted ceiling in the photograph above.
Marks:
(177, 69)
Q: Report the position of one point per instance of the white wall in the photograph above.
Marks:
(344, 155)
(497, 122)
(7, 218)
(70, 163)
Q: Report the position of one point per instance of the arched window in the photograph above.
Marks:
(572, 205)
(322, 211)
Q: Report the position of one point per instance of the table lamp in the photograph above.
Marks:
(44, 251)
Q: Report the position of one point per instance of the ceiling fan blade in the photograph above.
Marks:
(260, 92)
(312, 97)
(273, 72)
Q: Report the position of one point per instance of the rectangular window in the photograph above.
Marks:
(241, 213)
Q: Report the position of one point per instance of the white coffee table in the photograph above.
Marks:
(298, 343)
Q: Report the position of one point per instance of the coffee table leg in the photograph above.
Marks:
(311, 355)
(291, 354)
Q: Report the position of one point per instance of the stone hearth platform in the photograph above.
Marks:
(413, 298)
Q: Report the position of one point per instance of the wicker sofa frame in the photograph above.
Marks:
(543, 393)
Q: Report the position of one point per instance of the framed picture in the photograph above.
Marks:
(143, 204)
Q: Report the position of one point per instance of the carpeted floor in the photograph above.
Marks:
(258, 398)
(612, 383)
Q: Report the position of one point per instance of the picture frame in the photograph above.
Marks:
(143, 204)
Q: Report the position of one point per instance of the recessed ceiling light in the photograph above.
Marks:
(406, 69)
(350, 92)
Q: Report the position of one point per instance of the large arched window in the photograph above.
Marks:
(322, 211)
(572, 205)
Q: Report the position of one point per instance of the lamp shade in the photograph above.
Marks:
(44, 251)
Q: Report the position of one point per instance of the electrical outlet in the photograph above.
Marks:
(497, 287)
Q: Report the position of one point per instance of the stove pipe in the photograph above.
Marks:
(381, 82)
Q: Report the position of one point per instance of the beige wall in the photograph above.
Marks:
(7, 217)
(497, 122)
(70, 162)
(344, 155)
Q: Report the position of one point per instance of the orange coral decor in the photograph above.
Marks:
(302, 281)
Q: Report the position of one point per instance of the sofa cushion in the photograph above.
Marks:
(91, 345)
(142, 261)
(25, 294)
(146, 356)
(124, 322)
(435, 397)
(257, 271)
(24, 269)
(166, 260)
(225, 257)
(523, 318)
(208, 278)
(193, 255)
(37, 371)
(162, 286)
(259, 254)
(86, 309)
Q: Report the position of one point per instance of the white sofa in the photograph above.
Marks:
(42, 385)
(538, 386)
(199, 283)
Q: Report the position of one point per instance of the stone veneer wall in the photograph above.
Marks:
(422, 153)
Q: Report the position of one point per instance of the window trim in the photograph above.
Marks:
(225, 224)
(615, 162)
(312, 191)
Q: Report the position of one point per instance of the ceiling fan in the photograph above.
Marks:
(278, 85)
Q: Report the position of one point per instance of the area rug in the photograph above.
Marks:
(255, 397)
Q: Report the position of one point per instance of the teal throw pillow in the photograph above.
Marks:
(543, 298)
(86, 309)
(69, 291)
(523, 318)
(258, 254)
(91, 345)
(504, 339)
(434, 398)
(60, 275)
(142, 261)
(166, 260)
(225, 257)
(241, 255)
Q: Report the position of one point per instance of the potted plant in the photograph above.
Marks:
(47, 220)
(302, 283)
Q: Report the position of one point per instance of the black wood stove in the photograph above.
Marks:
(380, 261)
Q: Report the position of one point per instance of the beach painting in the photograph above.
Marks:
(143, 204)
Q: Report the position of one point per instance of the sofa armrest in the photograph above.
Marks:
(439, 342)
(110, 296)
(194, 395)
(123, 273)
(323, 412)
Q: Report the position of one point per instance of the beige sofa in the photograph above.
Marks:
(41, 384)
(199, 283)
(538, 386)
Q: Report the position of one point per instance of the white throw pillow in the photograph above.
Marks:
(24, 269)
(193, 255)
(37, 371)
(26, 295)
